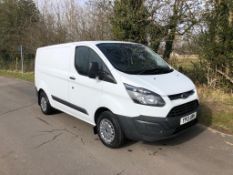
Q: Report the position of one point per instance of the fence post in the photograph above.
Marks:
(22, 59)
(16, 63)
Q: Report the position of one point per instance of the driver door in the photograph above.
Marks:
(84, 92)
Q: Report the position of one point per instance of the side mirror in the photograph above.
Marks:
(93, 70)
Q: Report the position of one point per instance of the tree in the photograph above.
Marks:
(216, 46)
(52, 26)
(17, 20)
(69, 21)
(155, 30)
(130, 20)
(99, 14)
(153, 21)
(181, 16)
(18, 26)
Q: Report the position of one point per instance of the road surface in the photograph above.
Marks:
(34, 144)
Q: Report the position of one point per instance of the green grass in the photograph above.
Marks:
(186, 61)
(28, 76)
(216, 109)
(222, 121)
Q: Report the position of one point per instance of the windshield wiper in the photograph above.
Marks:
(155, 71)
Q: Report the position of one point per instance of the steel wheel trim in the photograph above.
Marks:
(107, 131)
(43, 104)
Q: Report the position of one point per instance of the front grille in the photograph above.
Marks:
(181, 95)
(184, 109)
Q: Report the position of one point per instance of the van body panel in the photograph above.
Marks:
(164, 84)
(52, 68)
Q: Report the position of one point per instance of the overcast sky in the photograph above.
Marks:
(40, 2)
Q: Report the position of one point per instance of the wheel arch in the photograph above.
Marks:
(98, 112)
(97, 115)
(38, 94)
(42, 87)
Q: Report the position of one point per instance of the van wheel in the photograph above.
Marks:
(109, 130)
(45, 106)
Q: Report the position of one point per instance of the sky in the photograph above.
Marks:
(40, 2)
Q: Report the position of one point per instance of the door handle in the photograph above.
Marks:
(72, 78)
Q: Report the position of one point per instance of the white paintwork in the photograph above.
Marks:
(55, 64)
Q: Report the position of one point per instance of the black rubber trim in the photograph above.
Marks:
(152, 128)
(184, 109)
(183, 95)
(80, 109)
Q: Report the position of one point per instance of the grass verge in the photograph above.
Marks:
(216, 109)
(28, 76)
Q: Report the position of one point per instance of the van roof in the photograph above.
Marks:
(87, 43)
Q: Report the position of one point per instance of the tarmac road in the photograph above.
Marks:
(34, 144)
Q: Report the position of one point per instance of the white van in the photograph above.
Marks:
(123, 89)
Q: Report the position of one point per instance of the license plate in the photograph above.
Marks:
(188, 118)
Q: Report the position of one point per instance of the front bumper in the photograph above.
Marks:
(154, 128)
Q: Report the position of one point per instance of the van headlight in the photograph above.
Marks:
(144, 96)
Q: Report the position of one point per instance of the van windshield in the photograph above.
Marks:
(134, 58)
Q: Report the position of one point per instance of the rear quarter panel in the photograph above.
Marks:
(51, 71)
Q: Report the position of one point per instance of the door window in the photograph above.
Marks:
(84, 56)
(82, 60)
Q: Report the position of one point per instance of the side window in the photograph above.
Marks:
(82, 60)
(93, 57)
(84, 56)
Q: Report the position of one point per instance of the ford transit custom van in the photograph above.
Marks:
(123, 89)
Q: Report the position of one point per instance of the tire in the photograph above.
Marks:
(110, 131)
(45, 106)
